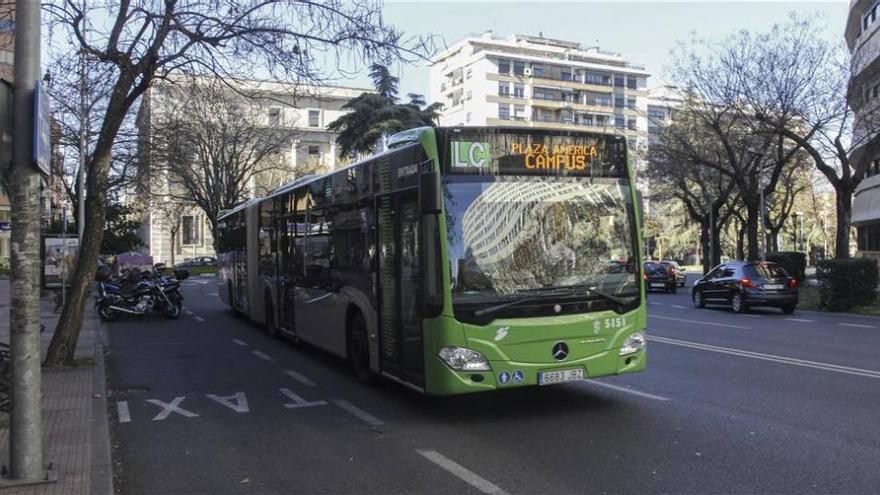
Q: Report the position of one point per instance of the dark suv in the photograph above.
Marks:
(743, 284)
(660, 276)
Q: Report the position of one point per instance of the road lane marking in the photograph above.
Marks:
(263, 356)
(298, 401)
(171, 407)
(122, 411)
(768, 357)
(300, 378)
(799, 320)
(462, 473)
(679, 306)
(626, 389)
(237, 401)
(188, 312)
(855, 325)
(200, 319)
(240, 342)
(359, 413)
(652, 303)
(711, 323)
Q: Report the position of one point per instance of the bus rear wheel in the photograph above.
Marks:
(359, 348)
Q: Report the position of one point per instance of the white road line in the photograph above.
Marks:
(679, 306)
(652, 303)
(799, 320)
(625, 389)
(358, 412)
(122, 411)
(700, 322)
(300, 378)
(263, 356)
(188, 312)
(462, 473)
(769, 357)
(240, 342)
(199, 319)
(855, 325)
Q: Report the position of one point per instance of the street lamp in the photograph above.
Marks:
(762, 240)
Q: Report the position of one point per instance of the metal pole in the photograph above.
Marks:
(25, 428)
(762, 241)
(83, 144)
(63, 255)
(711, 236)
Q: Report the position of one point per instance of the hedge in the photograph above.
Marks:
(794, 263)
(847, 283)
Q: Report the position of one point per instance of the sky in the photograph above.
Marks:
(642, 32)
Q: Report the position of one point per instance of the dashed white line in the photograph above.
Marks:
(122, 412)
(199, 319)
(626, 389)
(359, 413)
(855, 325)
(188, 312)
(462, 473)
(300, 378)
(768, 357)
(240, 342)
(700, 322)
(800, 320)
(652, 303)
(263, 356)
(678, 306)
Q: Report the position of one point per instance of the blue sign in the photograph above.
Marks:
(42, 129)
(504, 377)
(518, 376)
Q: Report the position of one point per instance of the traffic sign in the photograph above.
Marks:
(42, 129)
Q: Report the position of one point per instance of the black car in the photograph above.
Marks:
(200, 261)
(745, 284)
(660, 276)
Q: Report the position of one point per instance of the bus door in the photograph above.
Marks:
(284, 296)
(401, 347)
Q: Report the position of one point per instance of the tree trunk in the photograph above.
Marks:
(752, 232)
(704, 245)
(844, 222)
(740, 241)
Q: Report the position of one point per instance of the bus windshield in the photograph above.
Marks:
(514, 234)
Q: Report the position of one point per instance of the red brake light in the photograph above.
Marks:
(746, 283)
(792, 283)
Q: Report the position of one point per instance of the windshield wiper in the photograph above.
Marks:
(623, 301)
(492, 309)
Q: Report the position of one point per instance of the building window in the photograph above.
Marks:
(519, 112)
(869, 238)
(619, 102)
(519, 68)
(655, 113)
(274, 116)
(468, 72)
(869, 17)
(469, 95)
(601, 120)
(655, 130)
(314, 152)
(586, 119)
(503, 89)
(631, 124)
(467, 117)
(631, 103)
(619, 81)
(519, 91)
(537, 70)
(873, 168)
(503, 66)
(189, 230)
(566, 75)
(314, 116)
(631, 82)
(619, 122)
(504, 112)
(594, 78)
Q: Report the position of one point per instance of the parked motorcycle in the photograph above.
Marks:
(139, 293)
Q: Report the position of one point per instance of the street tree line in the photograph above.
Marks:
(762, 114)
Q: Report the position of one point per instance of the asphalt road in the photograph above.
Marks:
(756, 403)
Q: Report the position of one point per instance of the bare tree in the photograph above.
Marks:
(211, 144)
(137, 41)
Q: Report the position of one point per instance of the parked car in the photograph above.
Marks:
(680, 274)
(200, 261)
(660, 276)
(745, 284)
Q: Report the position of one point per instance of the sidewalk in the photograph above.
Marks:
(75, 429)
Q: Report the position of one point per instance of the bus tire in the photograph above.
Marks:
(358, 348)
(271, 327)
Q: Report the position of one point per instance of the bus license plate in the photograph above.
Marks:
(551, 377)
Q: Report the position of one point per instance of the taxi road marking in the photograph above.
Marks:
(122, 412)
(462, 473)
(359, 413)
(299, 377)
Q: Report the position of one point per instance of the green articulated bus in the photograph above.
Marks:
(460, 260)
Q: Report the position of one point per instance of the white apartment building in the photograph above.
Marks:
(863, 39)
(532, 81)
(304, 110)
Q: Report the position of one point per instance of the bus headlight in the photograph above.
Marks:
(634, 343)
(462, 359)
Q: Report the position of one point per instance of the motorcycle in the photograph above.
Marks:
(139, 293)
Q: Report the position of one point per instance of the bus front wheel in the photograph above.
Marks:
(359, 348)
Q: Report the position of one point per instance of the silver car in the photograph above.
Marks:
(680, 274)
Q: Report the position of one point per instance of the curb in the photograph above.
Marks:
(101, 469)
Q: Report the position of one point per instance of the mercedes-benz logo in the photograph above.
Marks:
(560, 350)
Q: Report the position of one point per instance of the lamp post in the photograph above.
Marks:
(762, 237)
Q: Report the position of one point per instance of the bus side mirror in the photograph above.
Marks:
(429, 193)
